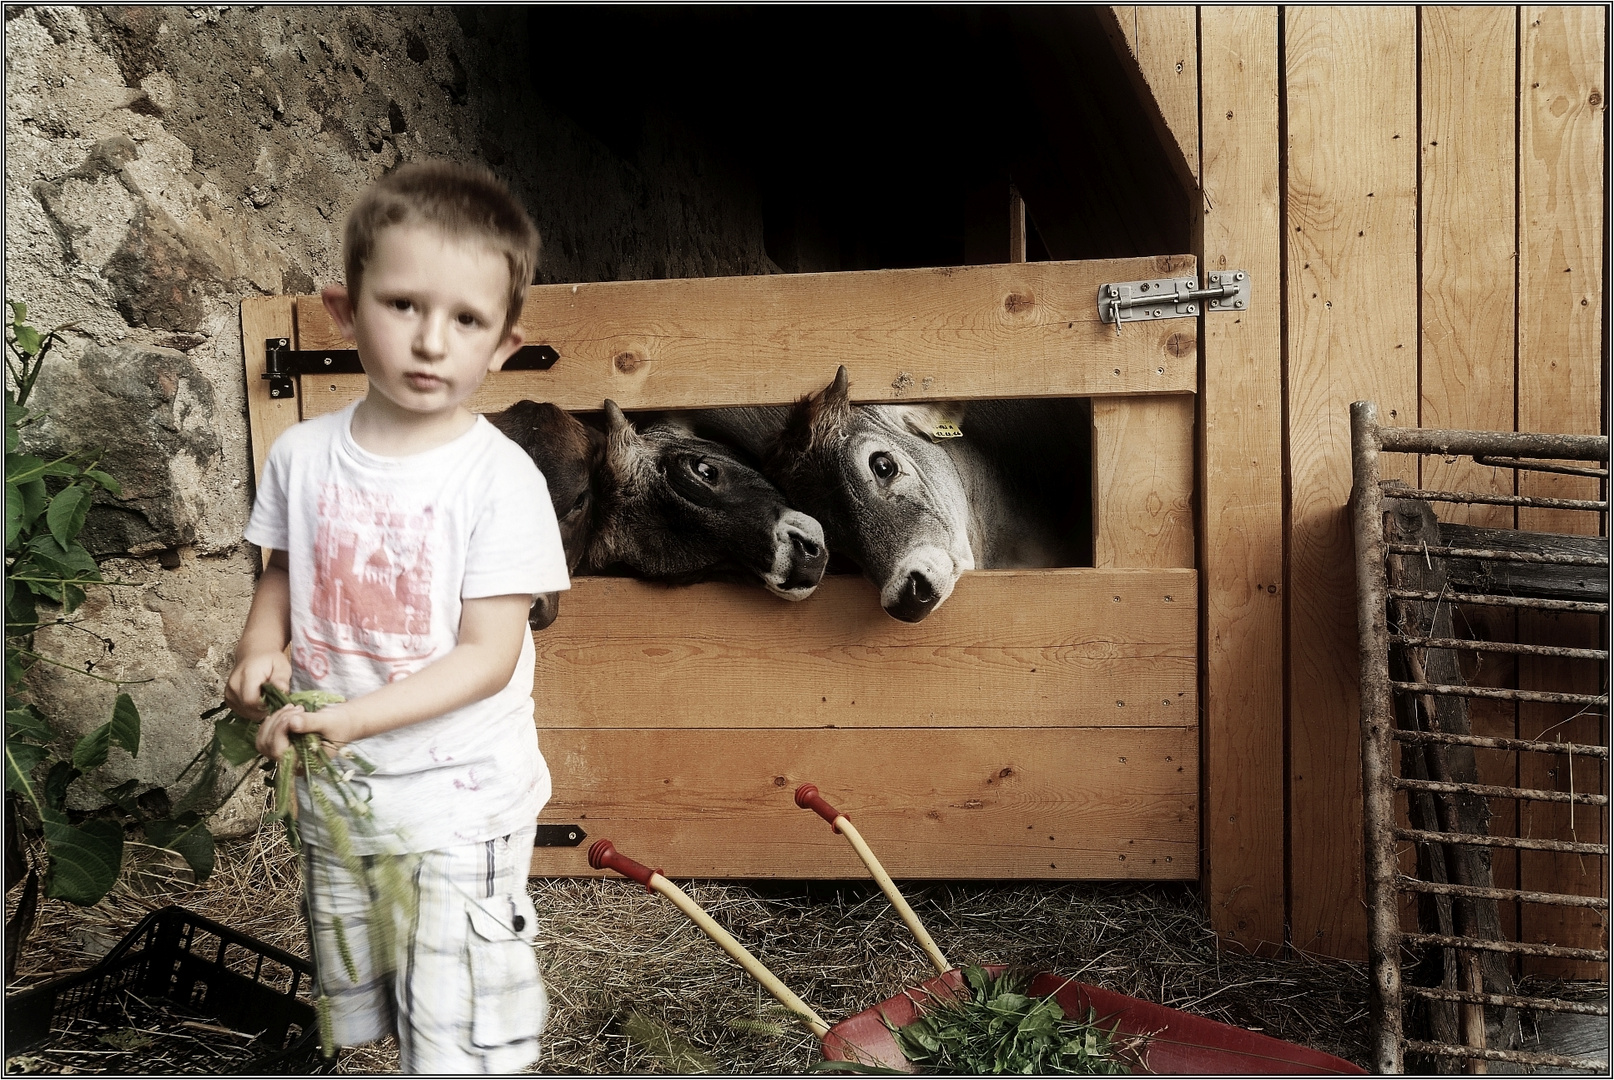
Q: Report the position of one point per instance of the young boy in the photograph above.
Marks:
(409, 540)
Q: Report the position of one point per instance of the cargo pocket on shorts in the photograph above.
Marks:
(509, 1004)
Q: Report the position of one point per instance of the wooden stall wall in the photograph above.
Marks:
(1420, 196)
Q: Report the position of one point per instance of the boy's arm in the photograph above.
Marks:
(260, 655)
(479, 666)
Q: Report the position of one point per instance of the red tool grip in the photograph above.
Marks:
(604, 855)
(807, 798)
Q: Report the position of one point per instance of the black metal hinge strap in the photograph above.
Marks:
(1522, 843)
(1511, 1001)
(1494, 791)
(282, 362)
(1546, 697)
(1523, 896)
(1493, 600)
(1522, 1057)
(1469, 645)
(1529, 745)
(1518, 948)
(559, 836)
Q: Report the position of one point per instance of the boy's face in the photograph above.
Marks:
(428, 320)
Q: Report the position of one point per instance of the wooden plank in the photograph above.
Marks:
(1241, 483)
(1352, 334)
(264, 317)
(1469, 79)
(1143, 481)
(1010, 648)
(1562, 202)
(1026, 804)
(1007, 330)
(1162, 40)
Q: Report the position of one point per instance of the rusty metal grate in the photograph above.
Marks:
(1413, 570)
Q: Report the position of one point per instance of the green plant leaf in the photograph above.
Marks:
(123, 797)
(126, 724)
(14, 511)
(188, 836)
(84, 859)
(57, 781)
(24, 468)
(21, 757)
(27, 338)
(237, 739)
(65, 518)
(19, 310)
(90, 751)
(28, 720)
(106, 480)
(34, 500)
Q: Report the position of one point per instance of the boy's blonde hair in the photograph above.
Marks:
(466, 202)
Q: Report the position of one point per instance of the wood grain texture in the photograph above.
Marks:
(1008, 330)
(1241, 483)
(1027, 804)
(1162, 40)
(1010, 648)
(1143, 479)
(264, 317)
(1562, 202)
(1352, 334)
(1467, 193)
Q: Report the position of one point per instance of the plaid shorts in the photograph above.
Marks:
(460, 985)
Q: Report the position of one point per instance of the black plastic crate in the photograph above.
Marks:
(180, 959)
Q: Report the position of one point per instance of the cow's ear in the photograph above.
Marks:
(831, 408)
(934, 420)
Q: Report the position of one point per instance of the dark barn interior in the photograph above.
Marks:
(885, 137)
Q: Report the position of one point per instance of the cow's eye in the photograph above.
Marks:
(882, 465)
(582, 497)
(704, 470)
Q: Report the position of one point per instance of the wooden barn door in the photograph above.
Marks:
(1042, 724)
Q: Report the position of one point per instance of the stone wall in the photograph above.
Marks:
(165, 162)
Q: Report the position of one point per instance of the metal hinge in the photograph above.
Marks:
(282, 363)
(559, 836)
(1171, 298)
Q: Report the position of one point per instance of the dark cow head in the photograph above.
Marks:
(889, 497)
(568, 453)
(678, 508)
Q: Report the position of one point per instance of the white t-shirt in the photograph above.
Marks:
(381, 551)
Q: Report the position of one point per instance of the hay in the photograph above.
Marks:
(620, 962)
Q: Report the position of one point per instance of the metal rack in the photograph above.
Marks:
(1411, 571)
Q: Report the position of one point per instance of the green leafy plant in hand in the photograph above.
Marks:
(47, 574)
(997, 1028)
(330, 772)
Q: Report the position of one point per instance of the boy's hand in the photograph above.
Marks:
(333, 723)
(243, 692)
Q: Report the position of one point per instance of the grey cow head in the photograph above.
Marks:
(889, 497)
(677, 508)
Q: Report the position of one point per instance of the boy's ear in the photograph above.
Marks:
(507, 348)
(339, 305)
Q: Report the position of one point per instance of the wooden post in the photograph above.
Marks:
(1241, 483)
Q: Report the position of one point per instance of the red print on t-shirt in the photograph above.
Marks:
(372, 566)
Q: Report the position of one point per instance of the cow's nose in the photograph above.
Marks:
(916, 600)
(806, 547)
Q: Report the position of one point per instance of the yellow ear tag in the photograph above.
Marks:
(946, 429)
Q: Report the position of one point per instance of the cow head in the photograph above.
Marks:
(568, 453)
(678, 508)
(889, 497)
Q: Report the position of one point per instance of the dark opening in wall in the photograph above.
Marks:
(884, 137)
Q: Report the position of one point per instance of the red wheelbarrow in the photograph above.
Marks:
(1163, 1040)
